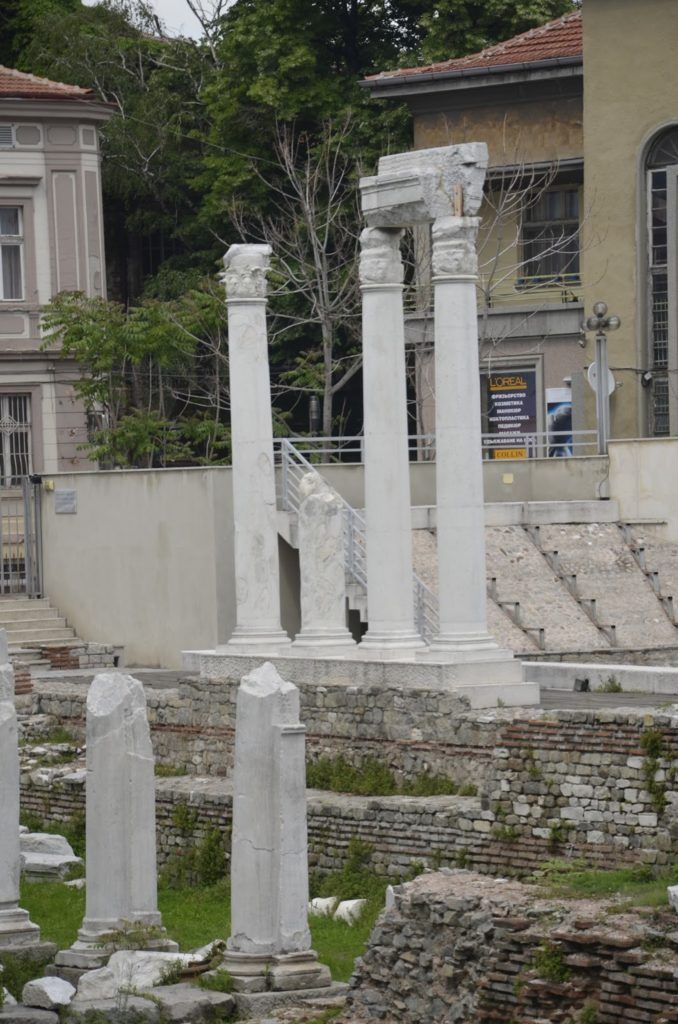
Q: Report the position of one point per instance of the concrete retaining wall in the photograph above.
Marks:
(631, 678)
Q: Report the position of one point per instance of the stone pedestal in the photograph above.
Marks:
(270, 941)
(388, 517)
(321, 532)
(120, 825)
(254, 502)
(17, 931)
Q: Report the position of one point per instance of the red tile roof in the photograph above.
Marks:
(557, 39)
(17, 84)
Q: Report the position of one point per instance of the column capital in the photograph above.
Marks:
(454, 246)
(380, 259)
(245, 269)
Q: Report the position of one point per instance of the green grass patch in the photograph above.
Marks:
(196, 916)
(374, 778)
(166, 771)
(638, 886)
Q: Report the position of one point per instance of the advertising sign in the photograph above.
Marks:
(559, 422)
(511, 412)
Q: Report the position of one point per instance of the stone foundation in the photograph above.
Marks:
(466, 949)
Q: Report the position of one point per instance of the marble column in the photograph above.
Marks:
(120, 822)
(388, 515)
(322, 542)
(254, 502)
(270, 943)
(459, 471)
(17, 931)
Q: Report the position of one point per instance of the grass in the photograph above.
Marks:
(374, 778)
(196, 916)
(637, 886)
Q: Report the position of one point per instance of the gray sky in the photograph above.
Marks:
(174, 13)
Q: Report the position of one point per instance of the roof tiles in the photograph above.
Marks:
(18, 85)
(556, 39)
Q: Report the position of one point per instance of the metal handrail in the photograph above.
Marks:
(294, 465)
(547, 444)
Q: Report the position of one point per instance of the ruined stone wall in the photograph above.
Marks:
(467, 949)
(549, 783)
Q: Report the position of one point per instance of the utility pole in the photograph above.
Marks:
(600, 322)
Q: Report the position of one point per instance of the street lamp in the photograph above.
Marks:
(601, 323)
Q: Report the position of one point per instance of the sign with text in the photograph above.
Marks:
(511, 412)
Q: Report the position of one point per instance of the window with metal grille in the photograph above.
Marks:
(6, 136)
(660, 407)
(550, 237)
(15, 439)
(11, 253)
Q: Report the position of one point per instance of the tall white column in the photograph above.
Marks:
(257, 584)
(459, 470)
(388, 514)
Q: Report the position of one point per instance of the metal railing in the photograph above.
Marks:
(422, 447)
(293, 466)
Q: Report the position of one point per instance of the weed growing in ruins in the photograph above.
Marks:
(637, 886)
(132, 935)
(533, 769)
(461, 859)
(549, 963)
(217, 981)
(558, 835)
(589, 1014)
(652, 745)
(203, 864)
(184, 819)
(505, 833)
(611, 685)
(374, 778)
(171, 972)
(166, 771)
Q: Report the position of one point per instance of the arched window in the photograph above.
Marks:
(663, 153)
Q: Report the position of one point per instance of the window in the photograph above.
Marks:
(663, 153)
(15, 439)
(11, 246)
(550, 238)
(6, 136)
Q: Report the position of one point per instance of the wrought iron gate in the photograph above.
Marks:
(21, 539)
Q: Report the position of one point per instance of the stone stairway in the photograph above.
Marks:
(523, 585)
(506, 633)
(31, 621)
(605, 570)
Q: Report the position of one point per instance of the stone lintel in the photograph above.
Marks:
(423, 185)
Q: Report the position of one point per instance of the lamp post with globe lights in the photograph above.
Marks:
(601, 323)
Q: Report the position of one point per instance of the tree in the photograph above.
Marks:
(313, 229)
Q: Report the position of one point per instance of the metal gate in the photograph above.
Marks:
(21, 539)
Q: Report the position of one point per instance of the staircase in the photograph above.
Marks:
(294, 466)
(31, 622)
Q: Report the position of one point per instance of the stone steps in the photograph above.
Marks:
(605, 570)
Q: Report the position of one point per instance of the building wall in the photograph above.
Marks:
(52, 172)
(541, 122)
(146, 561)
(630, 92)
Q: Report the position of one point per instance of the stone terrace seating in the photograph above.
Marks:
(524, 575)
(607, 571)
(661, 556)
(505, 632)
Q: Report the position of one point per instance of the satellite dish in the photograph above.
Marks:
(592, 377)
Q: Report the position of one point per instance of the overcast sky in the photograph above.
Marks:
(175, 15)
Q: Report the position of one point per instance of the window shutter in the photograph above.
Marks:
(6, 136)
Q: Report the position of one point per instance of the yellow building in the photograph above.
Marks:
(581, 120)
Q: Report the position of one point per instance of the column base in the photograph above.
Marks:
(277, 972)
(94, 946)
(324, 643)
(257, 641)
(17, 929)
(465, 646)
(390, 646)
